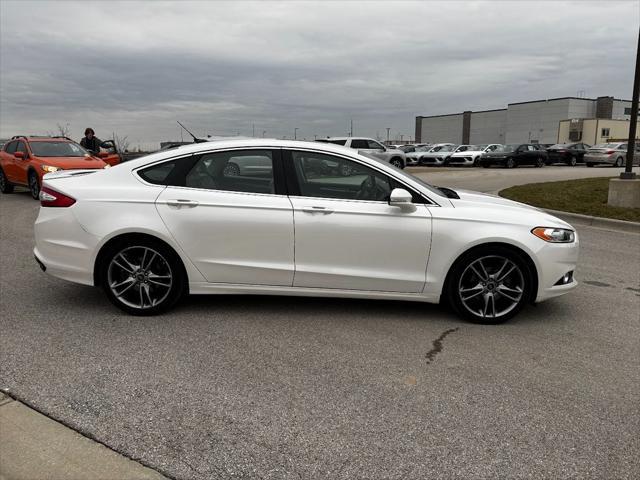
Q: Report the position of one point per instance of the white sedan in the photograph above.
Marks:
(470, 155)
(155, 228)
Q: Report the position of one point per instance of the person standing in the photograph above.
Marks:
(90, 141)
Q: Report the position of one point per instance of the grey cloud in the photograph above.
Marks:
(221, 67)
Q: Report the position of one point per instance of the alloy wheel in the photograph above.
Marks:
(491, 286)
(34, 187)
(573, 161)
(396, 163)
(510, 163)
(140, 277)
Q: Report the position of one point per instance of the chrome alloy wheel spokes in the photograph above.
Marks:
(140, 277)
(491, 286)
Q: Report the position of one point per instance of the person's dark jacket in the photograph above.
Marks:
(92, 145)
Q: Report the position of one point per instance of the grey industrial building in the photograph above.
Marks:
(523, 122)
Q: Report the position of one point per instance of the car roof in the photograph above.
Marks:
(41, 138)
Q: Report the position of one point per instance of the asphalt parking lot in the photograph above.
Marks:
(274, 387)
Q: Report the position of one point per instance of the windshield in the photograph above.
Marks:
(57, 149)
(561, 145)
(423, 149)
(446, 148)
(507, 148)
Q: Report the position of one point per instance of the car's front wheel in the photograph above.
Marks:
(5, 186)
(396, 162)
(34, 185)
(143, 277)
(489, 285)
(511, 163)
(572, 162)
(539, 162)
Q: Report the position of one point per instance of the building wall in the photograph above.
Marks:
(592, 130)
(538, 121)
(441, 129)
(488, 127)
(619, 107)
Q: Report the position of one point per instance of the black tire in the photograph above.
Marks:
(589, 164)
(5, 186)
(231, 170)
(396, 162)
(510, 163)
(34, 185)
(572, 162)
(166, 263)
(493, 257)
(539, 162)
(618, 163)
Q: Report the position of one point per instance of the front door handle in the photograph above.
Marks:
(322, 210)
(182, 203)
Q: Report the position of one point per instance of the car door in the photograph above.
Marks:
(238, 228)
(21, 164)
(347, 235)
(9, 161)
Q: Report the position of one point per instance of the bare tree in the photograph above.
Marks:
(64, 130)
(121, 143)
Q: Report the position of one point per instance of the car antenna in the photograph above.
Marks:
(195, 139)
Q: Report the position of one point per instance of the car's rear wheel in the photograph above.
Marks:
(142, 277)
(489, 285)
(396, 162)
(34, 185)
(539, 162)
(511, 163)
(5, 186)
(572, 162)
(618, 162)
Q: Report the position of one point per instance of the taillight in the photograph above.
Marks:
(51, 198)
(609, 152)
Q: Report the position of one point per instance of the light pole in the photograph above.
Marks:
(388, 130)
(295, 133)
(633, 123)
(263, 133)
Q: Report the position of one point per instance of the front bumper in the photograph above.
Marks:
(437, 161)
(556, 260)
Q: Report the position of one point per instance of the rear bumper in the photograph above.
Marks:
(608, 159)
(63, 248)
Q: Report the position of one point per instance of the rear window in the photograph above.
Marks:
(158, 174)
(337, 142)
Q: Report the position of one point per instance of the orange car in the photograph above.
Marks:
(24, 160)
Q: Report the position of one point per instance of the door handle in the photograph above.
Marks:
(182, 203)
(322, 210)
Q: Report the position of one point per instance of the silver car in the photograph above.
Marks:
(611, 154)
(438, 154)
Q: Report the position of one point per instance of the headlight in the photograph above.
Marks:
(49, 168)
(107, 166)
(554, 235)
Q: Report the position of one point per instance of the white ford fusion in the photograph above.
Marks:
(288, 221)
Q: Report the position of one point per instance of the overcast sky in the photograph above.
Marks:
(136, 68)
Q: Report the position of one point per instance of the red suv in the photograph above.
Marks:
(24, 160)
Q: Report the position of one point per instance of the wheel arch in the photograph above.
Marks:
(526, 257)
(133, 236)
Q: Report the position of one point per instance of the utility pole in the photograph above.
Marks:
(351, 128)
(253, 129)
(295, 133)
(315, 137)
(263, 133)
(388, 130)
(401, 137)
(633, 124)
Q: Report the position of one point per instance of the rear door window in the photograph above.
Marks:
(355, 143)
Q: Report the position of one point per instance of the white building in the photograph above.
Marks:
(524, 122)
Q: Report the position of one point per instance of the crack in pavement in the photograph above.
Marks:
(437, 345)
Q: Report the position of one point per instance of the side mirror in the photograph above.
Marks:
(400, 198)
(19, 155)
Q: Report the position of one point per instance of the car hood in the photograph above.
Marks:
(72, 162)
(510, 208)
(466, 152)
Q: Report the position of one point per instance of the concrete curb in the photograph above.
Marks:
(605, 223)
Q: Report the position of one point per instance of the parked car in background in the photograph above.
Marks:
(568, 153)
(2, 142)
(514, 155)
(25, 160)
(614, 154)
(411, 148)
(157, 228)
(413, 157)
(437, 154)
(469, 156)
(371, 147)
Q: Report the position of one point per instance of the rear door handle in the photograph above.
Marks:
(180, 202)
(322, 210)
